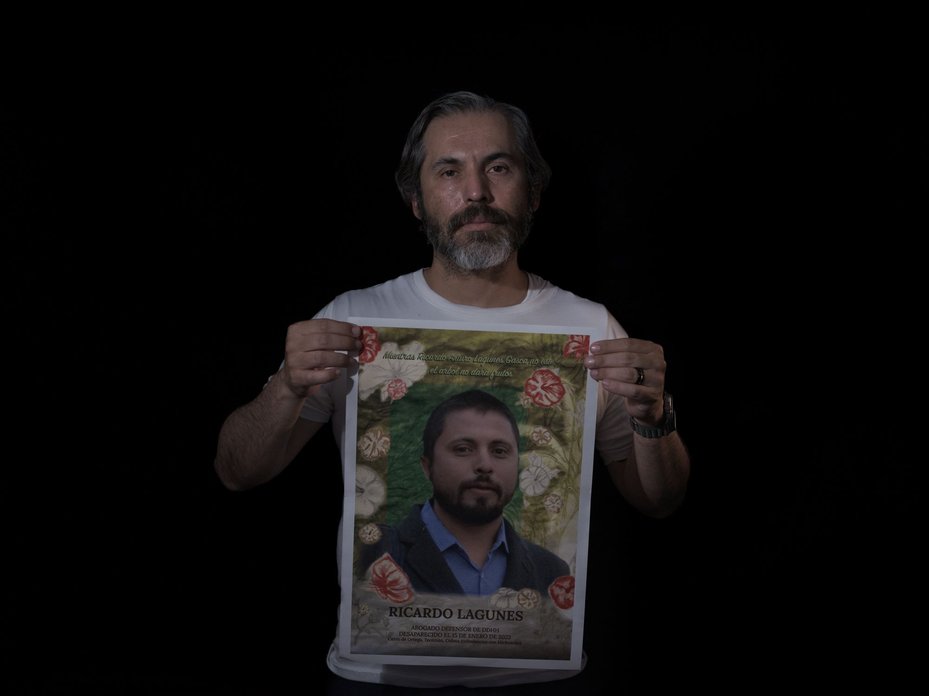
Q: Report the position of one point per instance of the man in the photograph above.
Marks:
(473, 175)
(458, 542)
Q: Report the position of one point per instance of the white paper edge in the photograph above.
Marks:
(348, 508)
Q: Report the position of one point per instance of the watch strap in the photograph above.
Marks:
(667, 425)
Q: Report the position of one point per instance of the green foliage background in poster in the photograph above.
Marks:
(406, 372)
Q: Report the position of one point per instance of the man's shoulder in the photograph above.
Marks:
(372, 299)
(542, 553)
(395, 539)
(550, 290)
(533, 550)
(564, 306)
(412, 523)
(401, 283)
(405, 530)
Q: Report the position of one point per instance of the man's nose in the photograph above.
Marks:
(483, 462)
(477, 187)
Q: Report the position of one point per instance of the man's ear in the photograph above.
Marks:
(417, 211)
(427, 468)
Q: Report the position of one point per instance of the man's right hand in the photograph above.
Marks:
(316, 351)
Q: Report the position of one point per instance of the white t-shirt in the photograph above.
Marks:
(410, 297)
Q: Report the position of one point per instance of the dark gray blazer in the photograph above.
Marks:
(412, 547)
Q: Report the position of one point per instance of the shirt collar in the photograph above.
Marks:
(444, 539)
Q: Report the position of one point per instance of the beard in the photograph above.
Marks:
(480, 511)
(482, 250)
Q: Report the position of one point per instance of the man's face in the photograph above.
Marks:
(475, 205)
(474, 466)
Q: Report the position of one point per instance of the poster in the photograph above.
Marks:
(401, 601)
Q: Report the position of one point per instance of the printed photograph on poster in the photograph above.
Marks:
(464, 540)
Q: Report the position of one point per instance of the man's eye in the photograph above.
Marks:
(448, 173)
(462, 449)
(499, 169)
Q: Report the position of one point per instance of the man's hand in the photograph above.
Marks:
(632, 368)
(316, 351)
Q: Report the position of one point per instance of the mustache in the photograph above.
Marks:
(473, 212)
(482, 482)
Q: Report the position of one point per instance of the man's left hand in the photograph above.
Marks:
(632, 368)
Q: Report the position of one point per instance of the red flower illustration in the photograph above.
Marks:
(396, 389)
(544, 387)
(371, 345)
(577, 346)
(389, 580)
(562, 591)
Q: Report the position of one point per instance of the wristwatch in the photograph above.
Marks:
(667, 425)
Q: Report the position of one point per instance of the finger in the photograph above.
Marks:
(317, 360)
(304, 382)
(626, 361)
(303, 339)
(333, 326)
(625, 345)
(643, 395)
(636, 377)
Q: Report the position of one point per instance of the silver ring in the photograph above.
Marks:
(639, 375)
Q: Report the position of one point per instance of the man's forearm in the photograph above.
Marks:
(654, 478)
(253, 441)
(663, 469)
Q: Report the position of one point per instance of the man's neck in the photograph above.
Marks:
(497, 287)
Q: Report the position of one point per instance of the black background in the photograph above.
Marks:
(741, 192)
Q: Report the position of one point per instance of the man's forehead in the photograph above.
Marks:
(463, 133)
(471, 421)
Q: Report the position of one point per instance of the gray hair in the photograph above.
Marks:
(414, 151)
